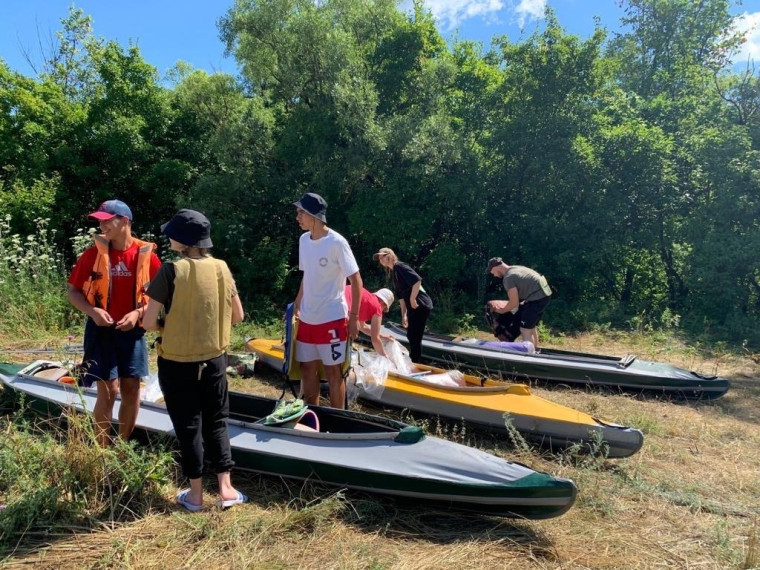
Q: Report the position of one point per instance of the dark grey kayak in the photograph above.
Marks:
(348, 450)
(627, 373)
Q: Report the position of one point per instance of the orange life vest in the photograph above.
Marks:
(97, 288)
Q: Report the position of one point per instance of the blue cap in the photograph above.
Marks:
(111, 208)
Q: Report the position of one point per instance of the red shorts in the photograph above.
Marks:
(326, 342)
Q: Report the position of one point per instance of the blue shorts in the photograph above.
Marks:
(110, 354)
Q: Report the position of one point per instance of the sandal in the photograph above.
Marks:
(182, 500)
(226, 504)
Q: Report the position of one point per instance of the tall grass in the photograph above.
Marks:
(54, 478)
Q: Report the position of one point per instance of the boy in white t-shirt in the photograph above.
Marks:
(327, 261)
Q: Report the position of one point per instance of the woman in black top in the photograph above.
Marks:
(414, 301)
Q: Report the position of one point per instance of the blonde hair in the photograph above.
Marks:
(186, 251)
(394, 259)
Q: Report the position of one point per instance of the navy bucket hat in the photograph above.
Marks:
(190, 228)
(314, 205)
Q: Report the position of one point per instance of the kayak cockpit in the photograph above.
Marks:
(253, 409)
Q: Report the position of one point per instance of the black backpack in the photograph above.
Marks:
(505, 327)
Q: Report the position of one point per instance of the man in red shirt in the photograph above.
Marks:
(108, 285)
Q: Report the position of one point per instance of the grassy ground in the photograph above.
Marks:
(689, 499)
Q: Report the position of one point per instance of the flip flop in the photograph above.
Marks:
(241, 498)
(182, 500)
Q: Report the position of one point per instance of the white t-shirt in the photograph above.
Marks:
(326, 264)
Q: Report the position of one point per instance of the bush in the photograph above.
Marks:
(32, 282)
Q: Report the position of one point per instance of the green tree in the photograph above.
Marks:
(671, 60)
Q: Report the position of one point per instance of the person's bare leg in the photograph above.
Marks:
(310, 382)
(107, 391)
(531, 335)
(337, 386)
(129, 407)
(195, 496)
(226, 491)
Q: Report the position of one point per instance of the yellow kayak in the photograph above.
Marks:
(486, 402)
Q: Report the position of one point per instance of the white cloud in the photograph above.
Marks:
(450, 13)
(750, 49)
(528, 10)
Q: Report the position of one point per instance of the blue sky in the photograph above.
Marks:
(171, 30)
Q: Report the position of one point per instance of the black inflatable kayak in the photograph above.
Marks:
(627, 373)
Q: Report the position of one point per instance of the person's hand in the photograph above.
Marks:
(101, 317)
(404, 321)
(497, 306)
(386, 337)
(128, 321)
(413, 303)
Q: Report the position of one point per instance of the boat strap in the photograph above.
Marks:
(287, 384)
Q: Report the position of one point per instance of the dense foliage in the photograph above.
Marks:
(625, 169)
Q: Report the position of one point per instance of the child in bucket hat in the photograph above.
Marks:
(190, 228)
(199, 299)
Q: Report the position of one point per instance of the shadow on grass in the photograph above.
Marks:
(741, 400)
(292, 513)
(310, 504)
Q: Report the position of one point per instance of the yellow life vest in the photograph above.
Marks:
(97, 288)
(198, 324)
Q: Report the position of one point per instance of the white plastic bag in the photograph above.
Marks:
(371, 368)
(451, 378)
(399, 357)
(370, 373)
(151, 392)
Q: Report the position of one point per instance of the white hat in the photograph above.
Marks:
(386, 296)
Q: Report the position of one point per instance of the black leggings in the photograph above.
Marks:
(417, 318)
(198, 403)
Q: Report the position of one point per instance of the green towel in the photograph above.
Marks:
(286, 411)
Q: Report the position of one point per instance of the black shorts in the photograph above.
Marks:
(531, 313)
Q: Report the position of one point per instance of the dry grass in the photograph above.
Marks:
(689, 499)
